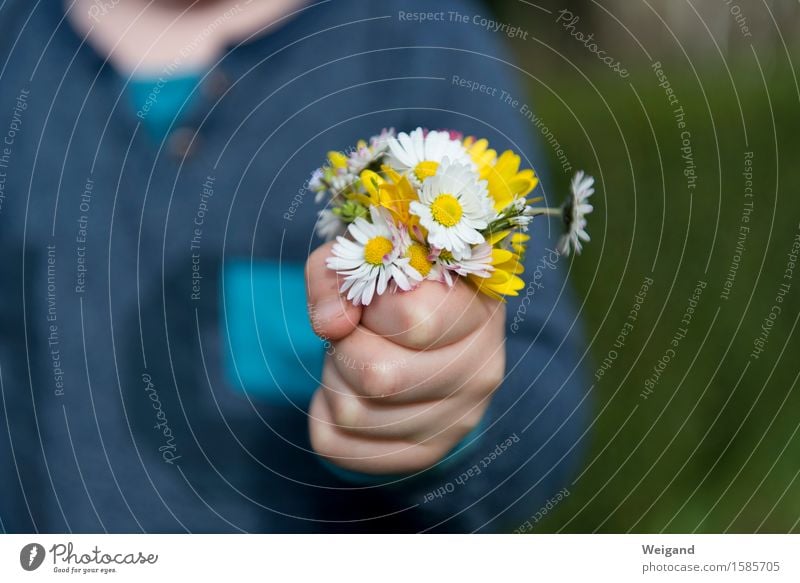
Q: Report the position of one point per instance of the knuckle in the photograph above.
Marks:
(346, 410)
(323, 438)
(311, 265)
(379, 380)
(421, 325)
(316, 325)
(491, 374)
(470, 421)
(428, 455)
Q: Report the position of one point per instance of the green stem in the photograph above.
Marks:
(549, 211)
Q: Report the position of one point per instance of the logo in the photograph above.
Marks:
(31, 556)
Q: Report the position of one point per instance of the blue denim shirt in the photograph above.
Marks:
(126, 406)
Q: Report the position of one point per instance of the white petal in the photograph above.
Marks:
(383, 280)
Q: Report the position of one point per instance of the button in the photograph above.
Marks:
(183, 142)
(216, 84)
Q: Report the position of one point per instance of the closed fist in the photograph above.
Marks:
(405, 378)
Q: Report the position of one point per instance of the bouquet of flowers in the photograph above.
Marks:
(434, 205)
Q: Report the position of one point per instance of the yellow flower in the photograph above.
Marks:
(504, 280)
(518, 243)
(395, 193)
(506, 181)
(481, 154)
(418, 256)
(337, 160)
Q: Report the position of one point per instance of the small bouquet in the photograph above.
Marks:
(433, 205)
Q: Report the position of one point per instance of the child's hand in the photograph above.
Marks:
(406, 378)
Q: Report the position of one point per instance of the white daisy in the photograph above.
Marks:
(329, 225)
(420, 154)
(479, 263)
(521, 221)
(444, 265)
(574, 211)
(441, 266)
(454, 206)
(317, 185)
(372, 260)
(366, 154)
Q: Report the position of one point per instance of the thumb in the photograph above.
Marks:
(332, 316)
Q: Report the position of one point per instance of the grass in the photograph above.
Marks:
(715, 447)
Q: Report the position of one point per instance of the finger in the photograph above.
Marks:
(389, 373)
(373, 456)
(356, 415)
(431, 316)
(332, 316)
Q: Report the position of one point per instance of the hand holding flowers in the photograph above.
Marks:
(410, 374)
(405, 378)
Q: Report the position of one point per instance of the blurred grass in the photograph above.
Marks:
(707, 451)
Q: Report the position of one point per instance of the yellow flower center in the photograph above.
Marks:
(418, 255)
(376, 249)
(425, 169)
(445, 256)
(446, 210)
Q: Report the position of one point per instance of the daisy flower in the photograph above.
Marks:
(454, 207)
(317, 184)
(478, 264)
(329, 225)
(442, 267)
(420, 154)
(333, 179)
(372, 259)
(419, 256)
(503, 279)
(367, 154)
(574, 210)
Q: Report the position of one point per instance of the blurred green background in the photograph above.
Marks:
(715, 447)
